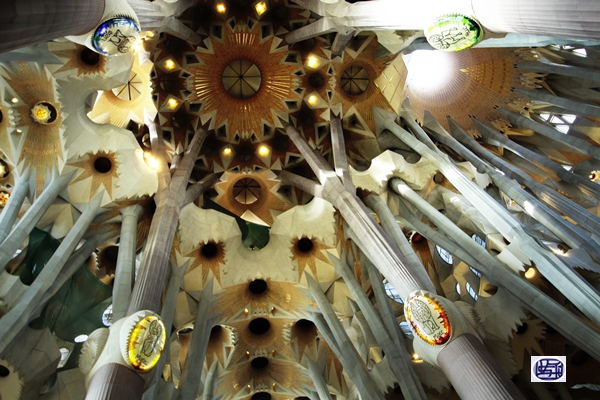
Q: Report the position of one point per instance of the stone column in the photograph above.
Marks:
(473, 372)
(27, 22)
(490, 135)
(465, 249)
(26, 224)
(191, 376)
(548, 67)
(571, 284)
(211, 381)
(11, 209)
(17, 318)
(521, 121)
(555, 223)
(576, 107)
(398, 357)
(115, 381)
(340, 343)
(546, 17)
(317, 377)
(151, 275)
(125, 271)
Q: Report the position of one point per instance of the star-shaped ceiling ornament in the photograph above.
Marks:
(101, 167)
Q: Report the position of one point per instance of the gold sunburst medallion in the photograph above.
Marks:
(101, 168)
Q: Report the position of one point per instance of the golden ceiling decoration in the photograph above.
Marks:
(127, 102)
(271, 340)
(268, 204)
(41, 147)
(303, 339)
(286, 296)
(532, 331)
(101, 168)
(243, 117)
(277, 374)
(209, 257)
(478, 81)
(307, 255)
(220, 345)
(82, 60)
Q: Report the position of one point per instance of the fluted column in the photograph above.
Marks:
(27, 22)
(13, 206)
(583, 184)
(115, 381)
(474, 373)
(465, 249)
(18, 317)
(521, 121)
(555, 223)
(342, 346)
(548, 67)
(211, 382)
(317, 377)
(191, 377)
(574, 19)
(398, 357)
(576, 107)
(124, 275)
(26, 224)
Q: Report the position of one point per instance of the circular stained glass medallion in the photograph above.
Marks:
(453, 33)
(116, 36)
(241, 79)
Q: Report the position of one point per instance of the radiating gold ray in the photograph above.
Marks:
(98, 178)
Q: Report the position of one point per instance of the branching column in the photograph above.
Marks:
(124, 275)
(27, 22)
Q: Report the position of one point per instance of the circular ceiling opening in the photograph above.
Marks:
(259, 326)
(4, 372)
(305, 325)
(209, 250)
(186, 330)
(241, 79)
(354, 80)
(579, 358)
(522, 329)
(261, 396)
(216, 330)
(246, 191)
(103, 165)
(305, 245)
(316, 80)
(257, 286)
(89, 57)
(111, 253)
(260, 362)
(1, 117)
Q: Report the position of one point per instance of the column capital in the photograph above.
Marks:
(134, 210)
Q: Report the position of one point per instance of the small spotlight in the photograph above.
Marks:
(227, 151)
(151, 161)
(14, 100)
(260, 8)
(417, 357)
(170, 64)
(19, 131)
(595, 176)
(530, 273)
(172, 103)
(263, 151)
(312, 62)
(312, 100)
(221, 8)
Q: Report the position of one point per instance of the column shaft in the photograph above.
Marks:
(464, 248)
(124, 275)
(474, 373)
(27, 22)
(576, 107)
(317, 377)
(26, 224)
(115, 382)
(521, 121)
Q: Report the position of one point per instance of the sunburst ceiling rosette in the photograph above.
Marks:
(243, 117)
(38, 118)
